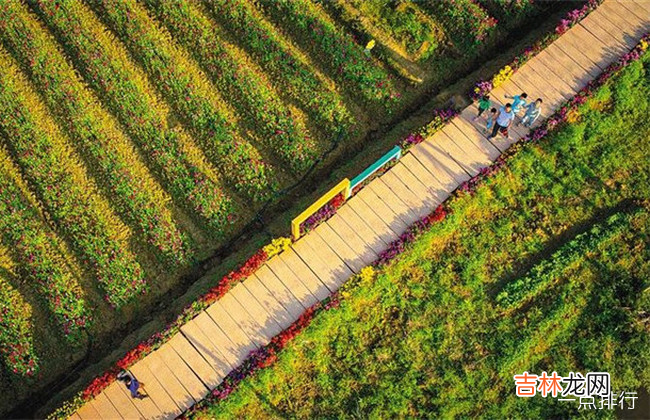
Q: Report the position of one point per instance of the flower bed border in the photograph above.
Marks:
(266, 355)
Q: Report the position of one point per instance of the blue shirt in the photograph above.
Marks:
(518, 102)
(532, 110)
(505, 118)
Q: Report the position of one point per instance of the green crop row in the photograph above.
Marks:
(191, 95)
(107, 68)
(36, 248)
(140, 199)
(236, 79)
(50, 166)
(310, 26)
(289, 71)
(16, 338)
(546, 273)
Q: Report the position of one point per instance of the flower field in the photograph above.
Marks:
(542, 266)
(137, 137)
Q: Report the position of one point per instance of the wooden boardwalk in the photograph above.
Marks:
(195, 361)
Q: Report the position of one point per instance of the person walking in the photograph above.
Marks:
(532, 112)
(483, 105)
(132, 384)
(518, 101)
(503, 121)
(489, 122)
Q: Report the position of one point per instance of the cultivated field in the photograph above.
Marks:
(138, 136)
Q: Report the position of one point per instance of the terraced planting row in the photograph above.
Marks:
(136, 137)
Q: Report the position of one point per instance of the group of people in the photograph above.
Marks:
(498, 121)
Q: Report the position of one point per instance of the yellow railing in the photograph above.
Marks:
(342, 187)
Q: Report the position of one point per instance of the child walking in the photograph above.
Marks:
(131, 383)
(490, 120)
(532, 112)
(483, 105)
(518, 102)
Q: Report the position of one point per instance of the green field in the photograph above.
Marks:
(544, 268)
(138, 137)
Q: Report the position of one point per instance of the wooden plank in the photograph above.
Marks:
(158, 397)
(584, 54)
(449, 176)
(465, 125)
(429, 199)
(116, 393)
(300, 270)
(570, 76)
(467, 157)
(179, 398)
(632, 26)
(601, 53)
(340, 248)
(637, 8)
(281, 293)
(316, 264)
(365, 213)
(338, 271)
(383, 204)
(361, 227)
(268, 301)
(416, 202)
(238, 314)
(194, 360)
(436, 190)
(105, 407)
(74, 416)
(255, 309)
(219, 343)
(352, 239)
(578, 57)
(608, 33)
(392, 196)
(183, 372)
(195, 335)
(88, 411)
(147, 406)
(243, 344)
(543, 72)
(581, 76)
(291, 282)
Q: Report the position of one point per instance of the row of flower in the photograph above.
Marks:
(337, 50)
(36, 249)
(289, 72)
(483, 87)
(191, 182)
(141, 200)
(258, 101)
(228, 281)
(70, 199)
(16, 338)
(265, 356)
(191, 95)
(545, 274)
(467, 21)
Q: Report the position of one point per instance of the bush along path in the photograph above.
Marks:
(241, 329)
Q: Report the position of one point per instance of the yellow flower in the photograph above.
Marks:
(277, 246)
(643, 45)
